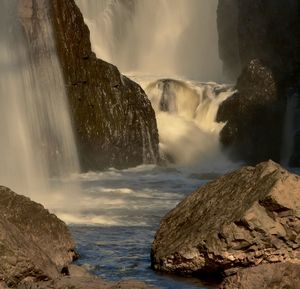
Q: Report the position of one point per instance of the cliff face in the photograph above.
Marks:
(266, 32)
(113, 119)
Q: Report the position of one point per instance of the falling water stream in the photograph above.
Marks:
(37, 142)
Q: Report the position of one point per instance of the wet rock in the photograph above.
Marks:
(113, 119)
(253, 116)
(271, 276)
(34, 244)
(245, 218)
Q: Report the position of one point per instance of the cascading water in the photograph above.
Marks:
(186, 113)
(157, 37)
(36, 141)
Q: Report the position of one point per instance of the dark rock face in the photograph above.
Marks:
(271, 276)
(265, 31)
(253, 116)
(113, 119)
(227, 21)
(243, 219)
(33, 243)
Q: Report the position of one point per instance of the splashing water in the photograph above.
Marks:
(186, 113)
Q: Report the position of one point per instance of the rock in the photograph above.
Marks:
(34, 244)
(78, 278)
(245, 218)
(113, 119)
(83, 283)
(227, 21)
(253, 116)
(265, 31)
(270, 276)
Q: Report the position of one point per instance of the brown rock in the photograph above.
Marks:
(33, 243)
(245, 218)
(114, 121)
(253, 116)
(268, 276)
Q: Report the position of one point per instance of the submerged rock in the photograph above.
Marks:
(245, 218)
(113, 119)
(269, 276)
(33, 243)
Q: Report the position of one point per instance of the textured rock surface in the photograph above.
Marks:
(113, 118)
(269, 276)
(245, 218)
(267, 31)
(79, 278)
(253, 116)
(83, 283)
(33, 242)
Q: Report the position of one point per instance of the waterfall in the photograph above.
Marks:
(169, 37)
(36, 141)
(186, 113)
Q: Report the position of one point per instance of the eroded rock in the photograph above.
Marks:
(243, 219)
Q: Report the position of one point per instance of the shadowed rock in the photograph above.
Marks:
(253, 116)
(113, 119)
(33, 243)
(245, 218)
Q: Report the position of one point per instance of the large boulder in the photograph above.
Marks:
(245, 218)
(253, 116)
(33, 243)
(114, 121)
(268, 276)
